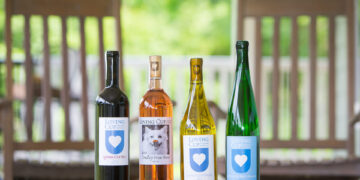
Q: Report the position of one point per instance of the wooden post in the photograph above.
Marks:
(258, 67)
(29, 100)
(84, 86)
(101, 53)
(65, 75)
(351, 40)
(7, 113)
(46, 87)
(117, 14)
(240, 20)
(7, 123)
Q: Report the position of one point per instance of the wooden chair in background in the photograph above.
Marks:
(258, 9)
(64, 9)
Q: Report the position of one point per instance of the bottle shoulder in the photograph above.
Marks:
(112, 95)
(242, 119)
(156, 101)
(198, 120)
(156, 96)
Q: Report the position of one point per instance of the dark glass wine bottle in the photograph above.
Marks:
(111, 128)
(242, 129)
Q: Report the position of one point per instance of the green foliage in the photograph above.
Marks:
(267, 32)
(36, 35)
(285, 36)
(2, 29)
(303, 36)
(55, 34)
(304, 40)
(176, 27)
(322, 32)
(149, 27)
(168, 27)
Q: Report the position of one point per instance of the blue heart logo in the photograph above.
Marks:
(114, 141)
(199, 159)
(241, 159)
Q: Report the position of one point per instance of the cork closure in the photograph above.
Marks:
(155, 67)
(196, 70)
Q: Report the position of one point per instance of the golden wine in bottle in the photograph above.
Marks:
(155, 123)
(197, 131)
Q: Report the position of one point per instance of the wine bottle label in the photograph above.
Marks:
(241, 157)
(156, 146)
(198, 157)
(113, 141)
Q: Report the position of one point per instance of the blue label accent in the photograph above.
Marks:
(241, 157)
(117, 138)
(199, 159)
(241, 160)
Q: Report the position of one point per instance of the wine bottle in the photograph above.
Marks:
(155, 123)
(111, 128)
(242, 130)
(197, 131)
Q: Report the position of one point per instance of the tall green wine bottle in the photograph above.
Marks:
(111, 128)
(197, 131)
(242, 129)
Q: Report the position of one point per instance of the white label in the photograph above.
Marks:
(156, 146)
(241, 157)
(113, 141)
(198, 157)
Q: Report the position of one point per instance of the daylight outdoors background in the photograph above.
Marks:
(177, 30)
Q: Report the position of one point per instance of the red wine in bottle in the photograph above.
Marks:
(112, 126)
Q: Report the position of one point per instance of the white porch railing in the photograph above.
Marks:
(219, 72)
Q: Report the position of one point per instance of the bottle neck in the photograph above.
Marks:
(196, 79)
(155, 73)
(155, 84)
(196, 90)
(242, 59)
(196, 76)
(112, 71)
(197, 95)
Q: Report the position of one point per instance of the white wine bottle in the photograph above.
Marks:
(197, 131)
(242, 129)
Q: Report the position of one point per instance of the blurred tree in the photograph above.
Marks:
(173, 27)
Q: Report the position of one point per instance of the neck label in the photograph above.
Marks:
(241, 157)
(155, 141)
(199, 157)
(113, 141)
